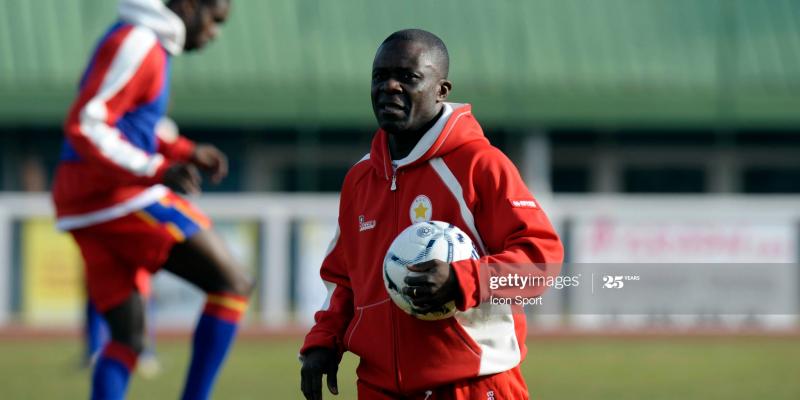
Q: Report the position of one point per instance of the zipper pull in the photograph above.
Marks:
(394, 181)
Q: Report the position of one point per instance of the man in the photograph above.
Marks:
(429, 161)
(111, 191)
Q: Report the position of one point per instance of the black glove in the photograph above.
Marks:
(316, 362)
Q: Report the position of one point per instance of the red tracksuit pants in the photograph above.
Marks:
(507, 385)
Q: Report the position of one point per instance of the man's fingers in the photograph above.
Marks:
(211, 160)
(185, 186)
(189, 187)
(423, 266)
(222, 168)
(423, 309)
(417, 280)
(421, 296)
(316, 385)
(417, 292)
(193, 175)
(188, 179)
(333, 385)
(422, 301)
(183, 178)
(426, 304)
(194, 178)
(305, 384)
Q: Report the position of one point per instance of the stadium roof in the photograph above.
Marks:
(722, 63)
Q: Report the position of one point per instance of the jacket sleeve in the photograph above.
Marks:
(127, 71)
(514, 232)
(332, 320)
(170, 142)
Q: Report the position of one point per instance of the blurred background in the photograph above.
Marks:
(652, 131)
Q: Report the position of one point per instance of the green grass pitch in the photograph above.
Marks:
(573, 368)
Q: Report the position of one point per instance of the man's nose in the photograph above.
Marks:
(392, 85)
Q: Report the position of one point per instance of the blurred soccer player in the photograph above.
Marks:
(429, 161)
(112, 191)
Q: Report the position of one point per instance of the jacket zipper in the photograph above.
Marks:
(392, 311)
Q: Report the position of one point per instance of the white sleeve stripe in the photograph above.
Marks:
(111, 145)
(333, 242)
(492, 327)
(331, 288)
(129, 57)
(455, 188)
(365, 158)
(108, 139)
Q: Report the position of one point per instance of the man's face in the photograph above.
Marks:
(203, 20)
(406, 87)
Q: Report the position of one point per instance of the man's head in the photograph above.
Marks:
(202, 19)
(409, 80)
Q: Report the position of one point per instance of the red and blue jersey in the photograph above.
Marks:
(139, 120)
(112, 158)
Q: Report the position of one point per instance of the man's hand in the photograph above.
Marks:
(183, 178)
(211, 160)
(433, 285)
(316, 362)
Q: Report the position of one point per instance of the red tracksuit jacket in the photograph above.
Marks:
(452, 175)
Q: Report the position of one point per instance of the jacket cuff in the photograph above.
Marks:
(468, 278)
(183, 149)
(317, 340)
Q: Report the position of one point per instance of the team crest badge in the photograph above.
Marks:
(421, 209)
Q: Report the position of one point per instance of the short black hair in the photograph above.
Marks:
(428, 39)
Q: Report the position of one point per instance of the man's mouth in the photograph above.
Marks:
(391, 107)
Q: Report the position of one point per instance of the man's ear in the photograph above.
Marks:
(445, 87)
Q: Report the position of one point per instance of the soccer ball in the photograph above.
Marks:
(420, 242)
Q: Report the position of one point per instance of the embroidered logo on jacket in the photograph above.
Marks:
(421, 209)
(527, 203)
(364, 225)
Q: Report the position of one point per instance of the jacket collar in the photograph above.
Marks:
(455, 126)
(154, 15)
(428, 139)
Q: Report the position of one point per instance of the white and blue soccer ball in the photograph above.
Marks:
(420, 242)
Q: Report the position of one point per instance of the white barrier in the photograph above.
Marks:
(276, 213)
